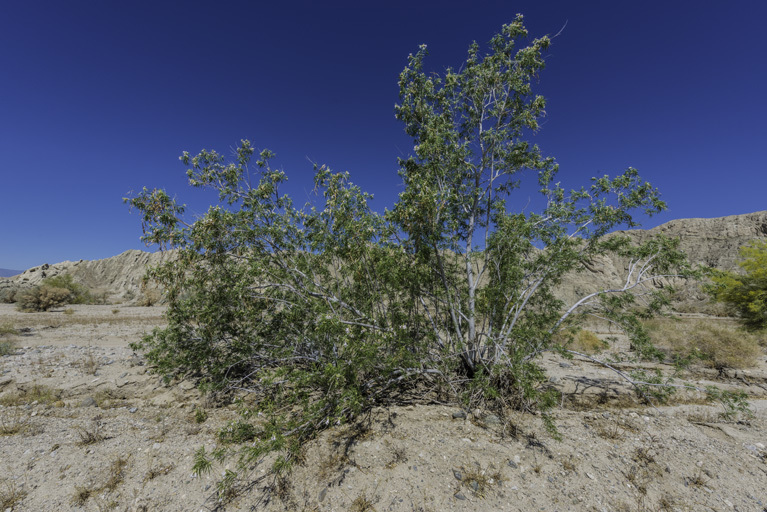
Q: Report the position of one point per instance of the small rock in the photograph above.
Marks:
(492, 419)
(459, 415)
(132, 410)
(459, 496)
(457, 474)
(565, 365)
(513, 464)
(590, 476)
(88, 401)
(186, 385)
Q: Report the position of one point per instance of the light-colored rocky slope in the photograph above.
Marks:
(709, 242)
(118, 278)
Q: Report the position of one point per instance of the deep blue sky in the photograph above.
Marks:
(100, 98)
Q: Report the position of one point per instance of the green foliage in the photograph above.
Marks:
(653, 385)
(734, 403)
(8, 294)
(237, 432)
(202, 464)
(746, 292)
(324, 311)
(78, 293)
(54, 292)
(7, 329)
(42, 298)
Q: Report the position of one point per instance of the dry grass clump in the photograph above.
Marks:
(92, 435)
(7, 345)
(13, 420)
(36, 393)
(7, 329)
(583, 341)
(42, 298)
(719, 344)
(10, 496)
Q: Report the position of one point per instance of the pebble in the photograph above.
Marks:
(132, 410)
(492, 419)
(459, 415)
(459, 496)
(88, 401)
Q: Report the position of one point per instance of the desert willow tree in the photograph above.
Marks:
(324, 310)
(489, 268)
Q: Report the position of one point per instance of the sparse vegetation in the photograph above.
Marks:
(583, 340)
(10, 495)
(7, 329)
(116, 474)
(717, 343)
(7, 345)
(81, 495)
(8, 295)
(746, 293)
(362, 504)
(78, 293)
(13, 420)
(94, 434)
(35, 393)
(89, 364)
(200, 415)
(157, 469)
(42, 298)
(149, 297)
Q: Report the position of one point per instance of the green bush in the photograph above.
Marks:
(42, 298)
(8, 295)
(745, 293)
(78, 293)
(325, 311)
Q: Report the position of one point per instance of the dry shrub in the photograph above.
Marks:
(584, 341)
(13, 421)
(36, 393)
(7, 345)
(42, 298)
(10, 495)
(718, 343)
(7, 329)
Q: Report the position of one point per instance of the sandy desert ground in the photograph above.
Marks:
(85, 426)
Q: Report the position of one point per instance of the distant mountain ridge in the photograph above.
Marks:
(709, 242)
(6, 272)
